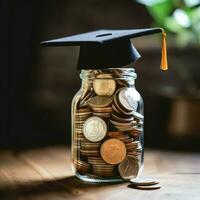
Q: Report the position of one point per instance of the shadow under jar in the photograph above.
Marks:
(107, 126)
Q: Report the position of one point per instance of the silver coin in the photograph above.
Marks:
(143, 181)
(129, 98)
(147, 187)
(94, 129)
(137, 115)
(128, 168)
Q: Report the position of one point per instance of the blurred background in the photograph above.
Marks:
(38, 84)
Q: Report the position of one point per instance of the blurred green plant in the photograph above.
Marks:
(180, 17)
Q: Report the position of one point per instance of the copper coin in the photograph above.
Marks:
(115, 133)
(113, 151)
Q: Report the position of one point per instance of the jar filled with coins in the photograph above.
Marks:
(107, 126)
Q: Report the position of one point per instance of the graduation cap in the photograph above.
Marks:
(108, 48)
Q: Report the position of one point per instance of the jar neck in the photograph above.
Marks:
(125, 74)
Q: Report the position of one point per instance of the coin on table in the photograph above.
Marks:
(94, 129)
(142, 187)
(142, 181)
(129, 168)
(128, 98)
(104, 85)
(100, 101)
(113, 151)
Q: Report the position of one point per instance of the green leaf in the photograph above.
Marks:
(172, 25)
(160, 11)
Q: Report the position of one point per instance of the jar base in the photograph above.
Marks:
(95, 180)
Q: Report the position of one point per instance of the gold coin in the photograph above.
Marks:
(103, 115)
(104, 85)
(104, 109)
(113, 151)
(100, 101)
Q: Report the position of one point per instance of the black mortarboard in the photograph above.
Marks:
(106, 48)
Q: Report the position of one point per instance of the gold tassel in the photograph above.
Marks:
(164, 64)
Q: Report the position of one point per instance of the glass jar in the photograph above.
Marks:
(107, 126)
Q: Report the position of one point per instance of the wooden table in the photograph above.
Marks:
(45, 173)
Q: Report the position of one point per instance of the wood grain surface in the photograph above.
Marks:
(45, 173)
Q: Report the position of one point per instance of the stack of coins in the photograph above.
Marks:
(120, 135)
(101, 106)
(100, 167)
(81, 166)
(80, 116)
(90, 148)
(108, 126)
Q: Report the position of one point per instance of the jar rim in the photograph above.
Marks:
(115, 73)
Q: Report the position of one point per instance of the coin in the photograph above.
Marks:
(122, 118)
(118, 107)
(128, 98)
(81, 166)
(113, 151)
(85, 88)
(85, 100)
(90, 152)
(100, 101)
(134, 154)
(124, 124)
(115, 133)
(128, 168)
(103, 115)
(85, 144)
(79, 136)
(94, 129)
(138, 116)
(142, 181)
(133, 145)
(149, 187)
(96, 160)
(104, 109)
(104, 85)
(136, 131)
